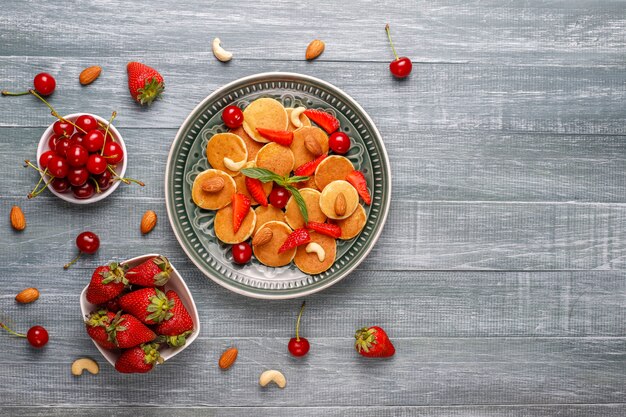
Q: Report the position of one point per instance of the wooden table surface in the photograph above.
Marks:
(499, 275)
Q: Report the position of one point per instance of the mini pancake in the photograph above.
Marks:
(266, 113)
(310, 183)
(267, 214)
(300, 152)
(329, 196)
(309, 263)
(303, 119)
(268, 254)
(223, 225)
(225, 145)
(212, 201)
(277, 158)
(312, 199)
(352, 226)
(252, 145)
(240, 183)
(332, 169)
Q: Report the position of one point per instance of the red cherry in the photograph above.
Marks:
(63, 128)
(44, 83)
(52, 142)
(60, 185)
(77, 176)
(232, 116)
(86, 122)
(279, 197)
(85, 191)
(402, 66)
(339, 142)
(78, 139)
(298, 346)
(104, 180)
(96, 164)
(37, 336)
(77, 156)
(242, 252)
(88, 242)
(113, 152)
(62, 146)
(57, 167)
(45, 157)
(93, 141)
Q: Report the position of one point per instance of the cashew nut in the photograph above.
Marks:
(232, 165)
(81, 364)
(272, 376)
(219, 52)
(315, 247)
(295, 116)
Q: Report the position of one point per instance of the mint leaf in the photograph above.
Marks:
(299, 200)
(263, 175)
(297, 178)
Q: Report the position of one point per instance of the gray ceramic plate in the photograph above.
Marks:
(194, 227)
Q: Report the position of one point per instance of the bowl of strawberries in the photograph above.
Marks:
(139, 313)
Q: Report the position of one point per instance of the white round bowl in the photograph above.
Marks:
(175, 283)
(121, 167)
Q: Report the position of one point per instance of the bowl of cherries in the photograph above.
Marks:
(81, 158)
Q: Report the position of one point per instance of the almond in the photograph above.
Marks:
(18, 220)
(313, 145)
(315, 49)
(262, 236)
(27, 296)
(89, 75)
(213, 185)
(228, 358)
(148, 221)
(340, 204)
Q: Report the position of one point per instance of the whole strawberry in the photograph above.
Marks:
(96, 325)
(139, 359)
(144, 82)
(152, 273)
(372, 342)
(126, 331)
(150, 305)
(107, 282)
(179, 326)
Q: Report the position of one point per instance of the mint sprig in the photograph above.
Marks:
(265, 175)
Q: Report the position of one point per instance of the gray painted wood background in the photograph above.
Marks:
(499, 275)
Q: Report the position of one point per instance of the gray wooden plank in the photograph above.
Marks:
(408, 379)
(590, 410)
(408, 304)
(555, 33)
(426, 166)
(418, 235)
(447, 97)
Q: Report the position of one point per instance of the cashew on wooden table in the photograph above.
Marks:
(272, 376)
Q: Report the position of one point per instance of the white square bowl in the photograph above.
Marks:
(175, 283)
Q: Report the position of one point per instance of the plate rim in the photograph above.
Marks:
(267, 76)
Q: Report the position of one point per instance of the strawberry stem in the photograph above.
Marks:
(14, 333)
(72, 262)
(391, 42)
(298, 321)
(8, 93)
(106, 132)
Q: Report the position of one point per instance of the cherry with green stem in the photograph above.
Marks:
(86, 242)
(43, 83)
(106, 132)
(37, 336)
(299, 346)
(401, 67)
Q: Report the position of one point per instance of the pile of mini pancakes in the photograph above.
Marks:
(228, 153)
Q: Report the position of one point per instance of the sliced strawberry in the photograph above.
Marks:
(241, 207)
(358, 181)
(327, 229)
(282, 137)
(308, 168)
(325, 120)
(297, 238)
(255, 188)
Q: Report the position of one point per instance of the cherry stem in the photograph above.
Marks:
(126, 181)
(98, 190)
(5, 327)
(54, 112)
(106, 132)
(43, 173)
(72, 262)
(8, 93)
(391, 42)
(298, 321)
